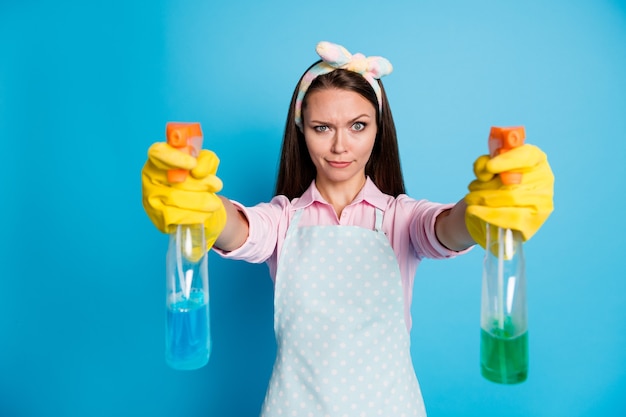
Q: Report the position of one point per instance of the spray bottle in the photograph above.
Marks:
(504, 323)
(188, 336)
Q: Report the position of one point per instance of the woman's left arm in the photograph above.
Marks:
(451, 229)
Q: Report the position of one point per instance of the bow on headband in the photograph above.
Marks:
(337, 57)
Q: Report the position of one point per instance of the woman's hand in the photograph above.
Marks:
(192, 201)
(524, 206)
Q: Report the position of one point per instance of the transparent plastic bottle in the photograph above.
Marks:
(504, 319)
(188, 332)
(504, 322)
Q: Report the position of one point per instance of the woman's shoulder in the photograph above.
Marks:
(409, 208)
(405, 199)
(278, 206)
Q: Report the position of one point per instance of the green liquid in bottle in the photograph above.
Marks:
(503, 358)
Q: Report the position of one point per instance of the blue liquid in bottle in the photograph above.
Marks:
(188, 345)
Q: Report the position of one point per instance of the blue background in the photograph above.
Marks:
(86, 87)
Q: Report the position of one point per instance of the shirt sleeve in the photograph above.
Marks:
(422, 216)
(267, 222)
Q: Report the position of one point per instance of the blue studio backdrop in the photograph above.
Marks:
(87, 87)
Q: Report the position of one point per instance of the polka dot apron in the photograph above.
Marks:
(342, 343)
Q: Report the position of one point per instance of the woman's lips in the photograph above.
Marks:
(338, 164)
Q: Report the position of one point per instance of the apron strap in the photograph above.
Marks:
(378, 226)
(293, 225)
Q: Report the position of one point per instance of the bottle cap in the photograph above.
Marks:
(186, 137)
(503, 139)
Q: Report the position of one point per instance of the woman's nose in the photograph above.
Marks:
(339, 145)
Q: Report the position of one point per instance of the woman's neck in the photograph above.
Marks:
(339, 195)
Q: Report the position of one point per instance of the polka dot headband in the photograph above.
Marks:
(336, 56)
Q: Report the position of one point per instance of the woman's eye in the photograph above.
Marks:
(321, 128)
(358, 126)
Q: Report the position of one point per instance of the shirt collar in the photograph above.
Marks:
(369, 193)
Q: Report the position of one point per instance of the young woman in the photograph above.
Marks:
(342, 239)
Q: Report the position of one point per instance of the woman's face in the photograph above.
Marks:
(339, 130)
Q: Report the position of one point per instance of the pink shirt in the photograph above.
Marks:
(409, 224)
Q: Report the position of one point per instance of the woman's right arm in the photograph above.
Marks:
(235, 231)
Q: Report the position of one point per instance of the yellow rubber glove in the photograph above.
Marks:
(190, 202)
(524, 207)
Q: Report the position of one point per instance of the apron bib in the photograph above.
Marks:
(342, 343)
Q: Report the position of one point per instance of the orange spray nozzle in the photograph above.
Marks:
(186, 137)
(503, 139)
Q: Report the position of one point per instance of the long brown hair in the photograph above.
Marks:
(296, 170)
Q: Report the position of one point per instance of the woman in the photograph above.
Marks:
(341, 238)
